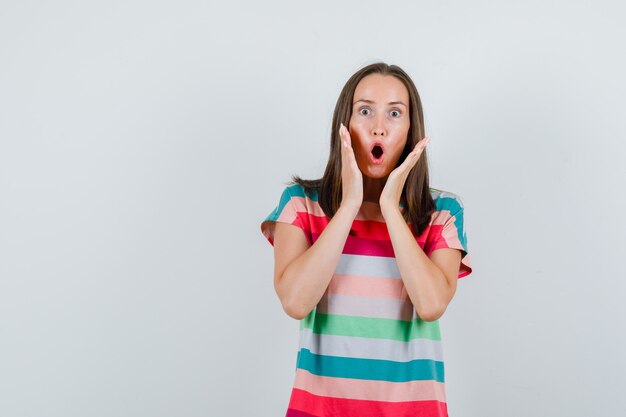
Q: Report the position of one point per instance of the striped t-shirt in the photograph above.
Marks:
(363, 350)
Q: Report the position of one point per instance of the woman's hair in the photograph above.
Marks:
(416, 196)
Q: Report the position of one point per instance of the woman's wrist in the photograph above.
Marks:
(389, 209)
(351, 208)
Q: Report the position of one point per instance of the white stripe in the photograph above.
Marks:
(370, 348)
(374, 266)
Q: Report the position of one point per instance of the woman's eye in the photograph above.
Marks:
(395, 111)
(364, 109)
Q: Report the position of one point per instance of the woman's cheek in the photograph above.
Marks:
(357, 144)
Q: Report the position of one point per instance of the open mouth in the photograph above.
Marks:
(377, 151)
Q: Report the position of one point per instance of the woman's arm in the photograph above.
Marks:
(302, 273)
(430, 284)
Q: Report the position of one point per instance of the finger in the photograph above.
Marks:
(412, 157)
(419, 148)
(349, 150)
(344, 137)
(346, 133)
(350, 153)
(348, 158)
(422, 143)
(344, 149)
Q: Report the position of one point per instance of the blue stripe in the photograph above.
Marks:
(370, 369)
(297, 190)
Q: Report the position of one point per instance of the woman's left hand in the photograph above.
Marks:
(390, 196)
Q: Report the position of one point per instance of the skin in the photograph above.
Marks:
(302, 272)
(374, 119)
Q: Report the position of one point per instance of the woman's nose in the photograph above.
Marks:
(378, 129)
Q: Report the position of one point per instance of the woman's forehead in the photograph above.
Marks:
(381, 89)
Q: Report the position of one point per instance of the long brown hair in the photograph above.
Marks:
(416, 196)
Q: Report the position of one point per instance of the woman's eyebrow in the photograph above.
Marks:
(370, 101)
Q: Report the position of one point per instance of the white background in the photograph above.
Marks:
(143, 142)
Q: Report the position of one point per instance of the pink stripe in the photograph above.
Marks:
(451, 238)
(387, 308)
(449, 232)
(291, 210)
(367, 286)
(440, 217)
(448, 238)
(304, 204)
(314, 208)
(368, 247)
(362, 389)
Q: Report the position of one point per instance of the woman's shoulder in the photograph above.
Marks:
(446, 200)
(298, 190)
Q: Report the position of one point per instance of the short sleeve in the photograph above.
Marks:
(291, 209)
(453, 234)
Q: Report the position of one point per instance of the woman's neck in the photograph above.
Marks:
(372, 188)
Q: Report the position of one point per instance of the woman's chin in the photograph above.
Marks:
(375, 172)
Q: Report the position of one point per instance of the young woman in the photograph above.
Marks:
(367, 258)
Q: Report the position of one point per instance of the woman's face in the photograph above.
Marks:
(380, 115)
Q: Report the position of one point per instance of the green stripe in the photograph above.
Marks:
(370, 369)
(380, 328)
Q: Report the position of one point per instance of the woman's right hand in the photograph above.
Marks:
(351, 176)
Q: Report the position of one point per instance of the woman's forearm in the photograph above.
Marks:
(306, 278)
(425, 283)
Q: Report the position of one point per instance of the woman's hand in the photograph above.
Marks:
(351, 176)
(390, 196)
